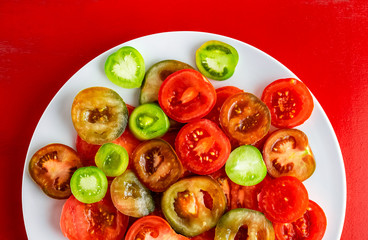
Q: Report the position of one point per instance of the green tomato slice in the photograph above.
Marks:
(112, 159)
(88, 184)
(242, 223)
(148, 121)
(125, 68)
(130, 196)
(217, 60)
(193, 205)
(245, 166)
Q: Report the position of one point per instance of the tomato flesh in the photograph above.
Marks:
(284, 199)
(202, 147)
(100, 220)
(52, 167)
(311, 226)
(186, 95)
(289, 101)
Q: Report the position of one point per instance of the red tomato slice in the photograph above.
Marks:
(311, 226)
(86, 151)
(289, 101)
(152, 227)
(98, 221)
(202, 147)
(186, 95)
(283, 199)
(222, 94)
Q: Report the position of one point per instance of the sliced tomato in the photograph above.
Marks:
(286, 152)
(156, 164)
(96, 221)
(289, 101)
(52, 167)
(245, 118)
(246, 196)
(152, 227)
(222, 94)
(186, 95)
(193, 205)
(208, 235)
(86, 151)
(224, 182)
(284, 199)
(202, 147)
(311, 226)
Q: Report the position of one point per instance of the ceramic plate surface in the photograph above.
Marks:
(255, 70)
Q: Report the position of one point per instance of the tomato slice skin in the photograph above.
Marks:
(202, 147)
(256, 225)
(52, 167)
(193, 205)
(245, 118)
(290, 102)
(283, 199)
(100, 220)
(286, 152)
(222, 94)
(311, 226)
(156, 164)
(152, 227)
(186, 95)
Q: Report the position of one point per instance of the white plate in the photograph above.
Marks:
(255, 70)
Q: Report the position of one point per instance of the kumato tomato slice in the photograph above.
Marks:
(289, 101)
(217, 60)
(311, 226)
(130, 196)
(245, 118)
(283, 199)
(99, 221)
(242, 223)
(99, 115)
(286, 152)
(155, 76)
(186, 95)
(202, 147)
(193, 205)
(222, 94)
(156, 164)
(152, 227)
(52, 166)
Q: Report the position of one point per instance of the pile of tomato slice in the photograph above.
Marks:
(200, 163)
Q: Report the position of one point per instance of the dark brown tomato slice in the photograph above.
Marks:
(222, 94)
(202, 147)
(286, 152)
(156, 164)
(245, 118)
(99, 115)
(186, 95)
(51, 168)
(99, 221)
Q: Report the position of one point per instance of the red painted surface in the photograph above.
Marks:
(43, 43)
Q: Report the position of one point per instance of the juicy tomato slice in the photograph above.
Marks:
(283, 199)
(202, 147)
(222, 94)
(186, 95)
(99, 115)
(156, 164)
(242, 223)
(152, 227)
(52, 167)
(246, 196)
(130, 196)
(245, 118)
(100, 220)
(193, 205)
(311, 226)
(289, 101)
(286, 152)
